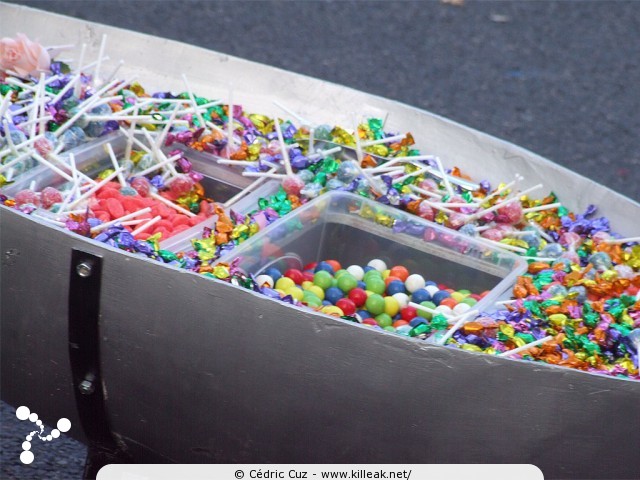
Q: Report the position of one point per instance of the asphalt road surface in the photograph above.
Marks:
(558, 78)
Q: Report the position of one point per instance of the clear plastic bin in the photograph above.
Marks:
(355, 230)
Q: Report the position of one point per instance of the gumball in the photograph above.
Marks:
(332, 310)
(308, 276)
(417, 321)
(347, 282)
(284, 284)
(362, 285)
(368, 268)
(375, 304)
(363, 314)
(449, 302)
(347, 306)
(375, 285)
(340, 273)
(378, 264)
(391, 306)
(414, 282)
(384, 320)
(295, 292)
(310, 266)
(295, 275)
(400, 272)
(439, 296)
(324, 266)
(385, 274)
(424, 314)
(356, 271)
(420, 296)
(317, 291)
(461, 308)
(358, 296)
(396, 286)
(408, 313)
(402, 298)
(369, 321)
(265, 279)
(273, 273)
(333, 294)
(469, 301)
(444, 310)
(322, 278)
(388, 279)
(311, 300)
(334, 264)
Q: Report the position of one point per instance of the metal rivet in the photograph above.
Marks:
(86, 386)
(84, 269)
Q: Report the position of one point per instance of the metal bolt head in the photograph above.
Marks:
(86, 387)
(84, 269)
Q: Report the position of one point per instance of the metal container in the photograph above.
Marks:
(191, 369)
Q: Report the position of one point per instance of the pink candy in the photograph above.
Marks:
(292, 185)
(26, 196)
(50, 196)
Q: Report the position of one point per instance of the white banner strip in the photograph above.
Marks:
(319, 472)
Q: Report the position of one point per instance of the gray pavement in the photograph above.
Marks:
(558, 78)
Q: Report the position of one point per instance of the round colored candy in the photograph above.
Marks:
(414, 282)
(358, 296)
(317, 291)
(375, 285)
(425, 314)
(273, 273)
(347, 306)
(265, 279)
(347, 282)
(284, 284)
(322, 278)
(334, 264)
(391, 306)
(395, 286)
(384, 320)
(439, 296)
(324, 266)
(375, 304)
(333, 294)
(378, 264)
(402, 298)
(420, 295)
(431, 288)
(356, 271)
(400, 272)
(408, 313)
(461, 308)
(295, 292)
(332, 310)
(295, 275)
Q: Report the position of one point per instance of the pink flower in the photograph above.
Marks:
(23, 56)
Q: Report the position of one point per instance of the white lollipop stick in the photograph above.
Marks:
(300, 119)
(513, 248)
(356, 136)
(540, 208)
(246, 190)
(4, 105)
(171, 204)
(193, 100)
(51, 166)
(115, 71)
(158, 165)
(230, 139)
(158, 153)
(428, 193)
(395, 138)
(462, 320)
(498, 205)
(237, 163)
(412, 174)
(417, 306)
(137, 213)
(146, 225)
(526, 347)
(437, 206)
(66, 88)
(132, 128)
(445, 177)
(95, 188)
(505, 302)
(283, 148)
(131, 137)
(96, 76)
(115, 163)
(278, 176)
(623, 240)
(213, 126)
(166, 128)
(502, 189)
(312, 132)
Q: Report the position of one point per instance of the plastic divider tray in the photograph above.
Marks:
(354, 230)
